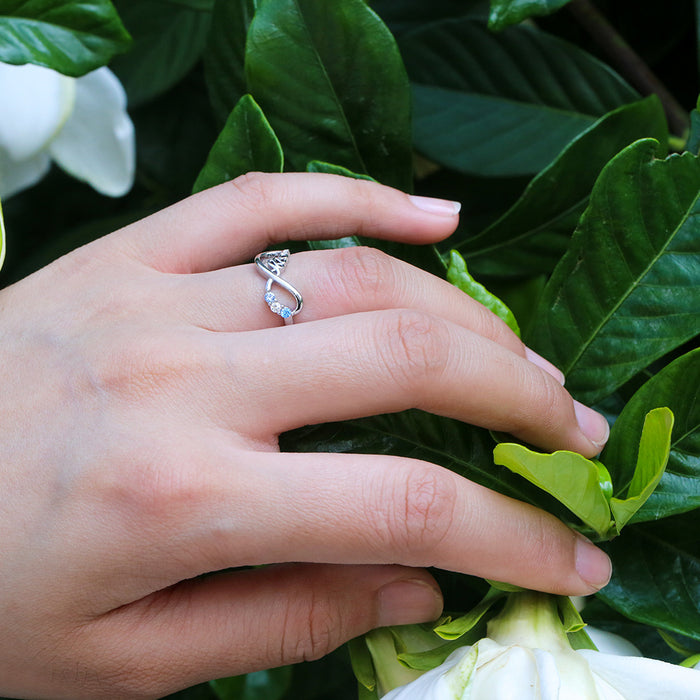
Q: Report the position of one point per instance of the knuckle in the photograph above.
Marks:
(366, 269)
(415, 345)
(253, 191)
(417, 513)
(313, 629)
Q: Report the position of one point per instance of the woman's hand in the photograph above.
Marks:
(145, 383)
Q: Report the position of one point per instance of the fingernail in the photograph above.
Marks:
(592, 424)
(408, 602)
(592, 564)
(546, 365)
(443, 207)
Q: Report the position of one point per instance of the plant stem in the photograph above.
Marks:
(628, 62)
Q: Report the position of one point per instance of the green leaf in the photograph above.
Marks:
(675, 386)
(167, 44)
(72, 37)
(569, 477)
(503, 104)
(224, 56)
(361, 662)
(319, 166)
(654, 448)
(627, 291)
(554, 199)
(693, 144)
(271, 685)
(458, 275)
(570, 617)
(656, 574)
(465, 623)
(246, 143)
(507, 12)
(330, 79)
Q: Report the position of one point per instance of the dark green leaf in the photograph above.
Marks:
(656, 574)
(72, 37)
(246, 143)
(331, 81)
(627, 290)
(559, 193)
(458, 275)
(693, 144)
(676, 386)
(654, 447)
(454, 629)
(507, 12)
(259, 685)
(168, 41)
(224, 56)
(318, 166)
(503, 104)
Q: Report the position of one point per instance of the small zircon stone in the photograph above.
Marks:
(286, 312)
(270, 297)
(276, 307)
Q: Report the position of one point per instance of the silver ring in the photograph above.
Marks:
(271, 265)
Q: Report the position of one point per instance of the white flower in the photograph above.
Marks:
(80, 123)
(527, 657)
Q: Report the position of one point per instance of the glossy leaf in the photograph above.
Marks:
(454, 629)
(656, 574)
(224, 56)
(246, 143)
(556, 197)
(73, 37)
(167, 44)
(458, 275)
(312, 66)
(676, 386)
(627, 291)
(654, 447)
(569, 477)
(271, 685)
(507, 12)
(502, 104)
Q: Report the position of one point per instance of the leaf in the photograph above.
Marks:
(675, 386)
(502, 104)
(319, 166)
(361, 661)
(654, 447)
(557, 195)
(72, 37)
(246, 143)
(507, 12)
(627, 291)
(271, 685)
(167, 44)
(569, 477)
(224, 56)
(656, 574)
(458, 275)
(330, 79)
(693, 144)
(465, 623)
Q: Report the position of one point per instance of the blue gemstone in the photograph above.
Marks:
(270, 297)
(286, 312)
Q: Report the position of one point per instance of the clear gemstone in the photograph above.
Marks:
(276, 307)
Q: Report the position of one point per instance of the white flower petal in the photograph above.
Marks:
(97, 142)
(35, 103)
(511, 674)
(644, 679)
(16, 176)
(609, 643)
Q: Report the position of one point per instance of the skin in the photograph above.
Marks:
(145, 384)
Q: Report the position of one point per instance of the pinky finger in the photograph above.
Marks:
(243, 621)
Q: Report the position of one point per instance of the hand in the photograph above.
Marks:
(145, 384)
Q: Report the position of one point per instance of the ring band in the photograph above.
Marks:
(271, 264)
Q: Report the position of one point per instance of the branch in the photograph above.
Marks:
(628, 62)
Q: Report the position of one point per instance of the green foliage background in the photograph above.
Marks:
(553, 138)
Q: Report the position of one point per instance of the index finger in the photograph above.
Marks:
(232, 222)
